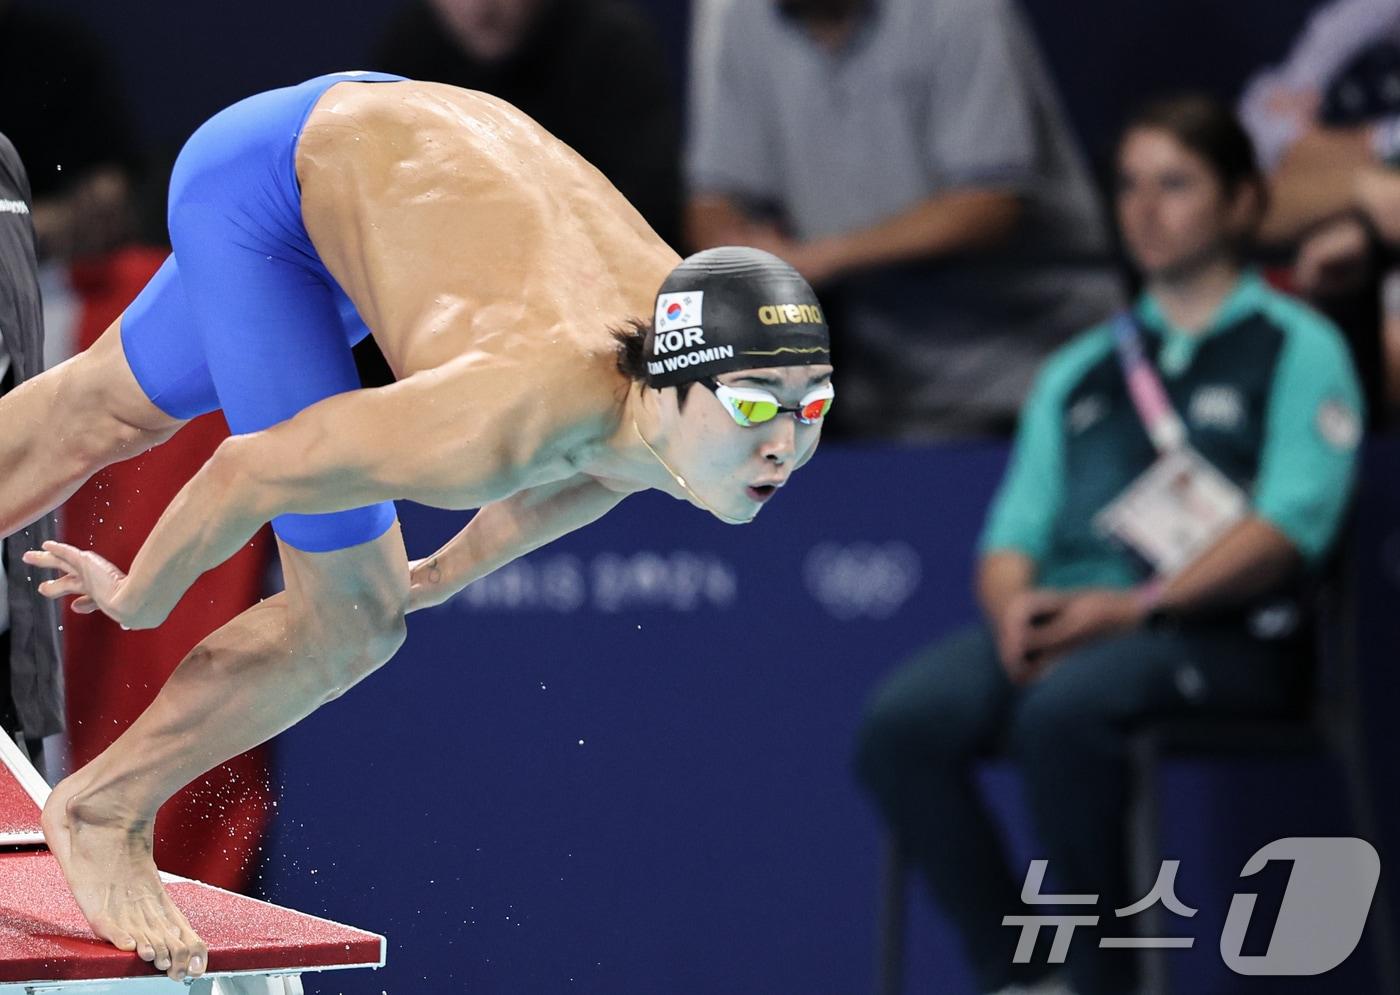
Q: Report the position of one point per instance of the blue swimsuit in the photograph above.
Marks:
(244, 315)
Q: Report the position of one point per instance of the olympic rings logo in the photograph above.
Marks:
(862, 579)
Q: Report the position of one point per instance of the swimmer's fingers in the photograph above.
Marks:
(86, 574)
(59, 587)
(44, 560)
(62, 587)
(70, 556)
(56, 556)
(69, 584)
(83, 562)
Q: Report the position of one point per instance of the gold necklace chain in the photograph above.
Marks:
(681, 480)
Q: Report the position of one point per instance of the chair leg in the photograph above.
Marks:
(889, 966)
(1145, 857)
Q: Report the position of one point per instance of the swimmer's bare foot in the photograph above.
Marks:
(107, 861)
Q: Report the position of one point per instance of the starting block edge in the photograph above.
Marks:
(383, 942)
(34, 785)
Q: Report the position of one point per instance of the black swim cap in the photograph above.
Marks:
(733, 308)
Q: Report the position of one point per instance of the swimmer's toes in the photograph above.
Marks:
(179, 941)
(179, 958)
(108, 930)
(158, 936)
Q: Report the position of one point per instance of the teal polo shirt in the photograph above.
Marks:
(1268, 394)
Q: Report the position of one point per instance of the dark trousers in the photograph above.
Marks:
(934, 717)
(9, 717)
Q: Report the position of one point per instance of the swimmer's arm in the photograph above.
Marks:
(505, 530)
(218, 510)
(348, 451)
(207, 522)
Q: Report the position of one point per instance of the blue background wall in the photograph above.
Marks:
(623, 761)
(622, 764)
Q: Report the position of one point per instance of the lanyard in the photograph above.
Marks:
(1155, 411)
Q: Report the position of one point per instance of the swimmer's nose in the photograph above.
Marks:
(779, 445)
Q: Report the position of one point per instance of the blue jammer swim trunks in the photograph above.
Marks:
(244, 316)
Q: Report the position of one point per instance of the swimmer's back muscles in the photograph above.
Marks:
(450, 218)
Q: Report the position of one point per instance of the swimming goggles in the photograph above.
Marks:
(753, 406)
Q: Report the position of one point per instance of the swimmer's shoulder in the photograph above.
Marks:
(551, 379)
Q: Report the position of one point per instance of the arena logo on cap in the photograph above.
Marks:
(682, 310)
(791, 314)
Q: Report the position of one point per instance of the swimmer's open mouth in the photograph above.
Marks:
(763, 492)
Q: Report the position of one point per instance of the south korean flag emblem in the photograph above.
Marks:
(682, 310)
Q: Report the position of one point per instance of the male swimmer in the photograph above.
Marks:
(541, 378)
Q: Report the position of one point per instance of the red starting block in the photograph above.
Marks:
(46, 946)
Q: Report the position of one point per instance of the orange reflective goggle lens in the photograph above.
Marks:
(754, 406)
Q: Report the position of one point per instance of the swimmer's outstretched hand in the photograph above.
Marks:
(96, 584)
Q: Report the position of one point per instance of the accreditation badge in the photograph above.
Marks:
(1176, 510)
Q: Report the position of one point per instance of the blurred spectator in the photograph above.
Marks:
(31, 686)
(1327, 122)
(60, 104)
(911, 159)
(1311, 116)
(591, 72)
(1108, 599)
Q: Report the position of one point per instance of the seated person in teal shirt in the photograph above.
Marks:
(1082, 637)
